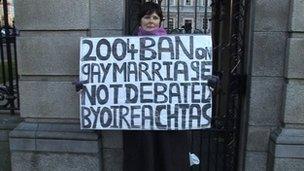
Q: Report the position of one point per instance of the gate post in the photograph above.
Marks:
(50, 138)
(286, 148)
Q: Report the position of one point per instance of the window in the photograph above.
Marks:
(188, 20)
(188, 2)
(11, 14)
(171, 23)
(203, 3)
(188, 24)
(171, 2)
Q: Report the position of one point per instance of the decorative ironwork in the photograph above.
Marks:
(9, 93)
(217, 147)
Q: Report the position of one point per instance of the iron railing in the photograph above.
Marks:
(9, 91)
(225, 20)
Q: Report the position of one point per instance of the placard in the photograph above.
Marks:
(146, 83)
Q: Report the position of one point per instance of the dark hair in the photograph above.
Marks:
(149, 8)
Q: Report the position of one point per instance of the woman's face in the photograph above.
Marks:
(150, 22)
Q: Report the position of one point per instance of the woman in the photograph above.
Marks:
(149, 20)
(154, 150)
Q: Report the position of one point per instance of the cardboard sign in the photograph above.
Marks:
(146, 83)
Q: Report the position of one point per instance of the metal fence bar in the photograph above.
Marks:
(2, 61)
(205, 20)
(9, 59)
(209, 150)
(16, 67)
(178, 13)
(168, 13)
(195, 14)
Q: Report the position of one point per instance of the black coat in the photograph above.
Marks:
(156, 150)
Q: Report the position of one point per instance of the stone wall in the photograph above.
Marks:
(268, 49)
(48, 53)
(49, 138)
(286, 148)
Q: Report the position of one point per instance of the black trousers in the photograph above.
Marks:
(156, 150)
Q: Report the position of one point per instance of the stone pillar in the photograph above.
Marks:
(268, 42)
(286, 149)
(48, 53)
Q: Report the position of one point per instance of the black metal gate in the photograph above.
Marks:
(9, 93)
(217, 147)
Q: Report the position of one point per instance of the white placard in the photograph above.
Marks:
(146, 83)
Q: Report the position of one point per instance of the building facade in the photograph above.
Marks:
(11, 13)
(183, 12)
(47, 134)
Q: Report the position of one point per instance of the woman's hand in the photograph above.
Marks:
(78, 85)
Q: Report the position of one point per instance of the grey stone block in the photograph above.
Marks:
(22, 144)
(71, 146)
(51, 127)
(265, 101)
(295, 60)
(49, 54)
(284, 164)
(27, 161)
(3, 135)
(66, 135)
(52, 15)
(270, 162)
(58, 148)
(296, 16)
(69, 131)
(22, 134)
(27, 126)
(286, 149)
(289, 151)
(64, 131)
(106, 32)
(258, 138)
(9, 122)
(5, 162)
(56, 137)
(271, 15)
(107, 14)
(288, 136)
(294, 108)
(268, 54)
(52, 33)
(46, 99)
(113, 159)
(256, 161)
(112, 139)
